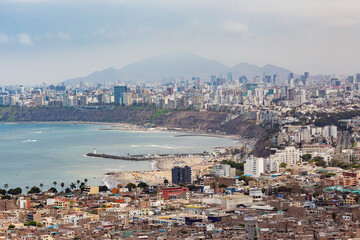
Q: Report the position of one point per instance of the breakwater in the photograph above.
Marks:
(142, 157)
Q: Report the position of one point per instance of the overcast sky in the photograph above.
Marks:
(53, 40)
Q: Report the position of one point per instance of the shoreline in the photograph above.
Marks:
(123, 126)
(160, 169)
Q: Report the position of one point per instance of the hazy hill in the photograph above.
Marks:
(176, 66)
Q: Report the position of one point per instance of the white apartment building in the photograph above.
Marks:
(290, 155)
(253, 166)
(221, 170)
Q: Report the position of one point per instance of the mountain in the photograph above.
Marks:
(165, 67)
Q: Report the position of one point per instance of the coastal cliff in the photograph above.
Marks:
(188, 120)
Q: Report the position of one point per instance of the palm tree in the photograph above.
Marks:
(72, 185)
(41, 186)
(54, 183)
(27, 189)
(62, 186)
(85, 180)
(6, 186)
(78, 183)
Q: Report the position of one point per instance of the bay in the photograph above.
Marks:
(34, 153)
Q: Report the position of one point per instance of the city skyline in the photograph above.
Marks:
(51, 41)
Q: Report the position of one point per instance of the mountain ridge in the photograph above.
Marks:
(167, 66)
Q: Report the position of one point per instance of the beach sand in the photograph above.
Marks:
(164, 166)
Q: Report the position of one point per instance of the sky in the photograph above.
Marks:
(54, 40)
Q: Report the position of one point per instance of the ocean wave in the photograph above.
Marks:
(114, 169)
(29, 140)
(135, 146)
(154, 165)
(163, 146)
(38, 132)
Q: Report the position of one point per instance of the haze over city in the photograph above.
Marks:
(51, 41)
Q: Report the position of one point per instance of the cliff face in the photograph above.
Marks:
(75, 114)
(191, 120)
(201, 121)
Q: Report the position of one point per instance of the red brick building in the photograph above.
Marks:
(176, 193)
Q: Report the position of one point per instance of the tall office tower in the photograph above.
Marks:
(275, 79)
(213, 79)
(118, 94)
(358, 77)
(243, 79)
(229, 76)
(181, 175)
(305, 78)
(291, 76)
(350, 80)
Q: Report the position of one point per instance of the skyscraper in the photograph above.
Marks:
(229, 76)
(118, 94)
(213, 79)
(181, 175)
(358, 77)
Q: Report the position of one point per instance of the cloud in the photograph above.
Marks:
(235, 27)
(63, 36)
(110, 33)
(55, 36)
(25, 39)
(4, 38)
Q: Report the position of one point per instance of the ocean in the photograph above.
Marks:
(34, 153)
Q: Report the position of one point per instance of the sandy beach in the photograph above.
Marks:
(163, 171)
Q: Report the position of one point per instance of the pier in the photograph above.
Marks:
(142, 157)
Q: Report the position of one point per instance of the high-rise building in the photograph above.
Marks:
(229, 76)
(243, 79)
(181, 175)
(213, 79)
(221, 170)
(290, 155)
(118, 93)
(358, 77)
(291, 76)
(254, 166)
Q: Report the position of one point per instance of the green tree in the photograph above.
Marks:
(27, 189)
(67, 190)
(34, 189)
(53, 190)
(166, 181)
(15, 191)
(2, 191)
(130, 186)
(72, 185)
(143, 185)
(62, 186)
(11, 226)
(283, 165)
(6, 186)
(85, 180)
(306, 157)
(41, 186)
(330, 175)
(78, 183)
